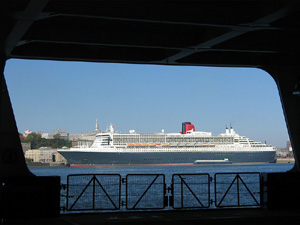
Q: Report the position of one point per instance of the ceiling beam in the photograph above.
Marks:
(248, 27)
(152, 47)
(259, 24)
(23, 22)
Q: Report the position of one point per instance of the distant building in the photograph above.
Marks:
(87, 136)
(62, 133)
(26, 132)
(74, 136)
(40, 155)
(44, 155)
(47, 135)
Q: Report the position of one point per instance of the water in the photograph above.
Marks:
(63, 172)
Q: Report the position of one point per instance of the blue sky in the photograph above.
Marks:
(47, 95)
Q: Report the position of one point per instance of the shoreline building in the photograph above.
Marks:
(45, 155)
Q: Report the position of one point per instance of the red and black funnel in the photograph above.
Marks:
(187, 126)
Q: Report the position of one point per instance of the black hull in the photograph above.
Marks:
(139, 158)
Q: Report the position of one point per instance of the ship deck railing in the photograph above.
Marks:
(113, 192)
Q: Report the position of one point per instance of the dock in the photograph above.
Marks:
(285, 160)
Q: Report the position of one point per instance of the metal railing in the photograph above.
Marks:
(94, 192)
(237, 189)
(145, 191)
(190, 191)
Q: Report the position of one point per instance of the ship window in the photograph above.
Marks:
(147, 99)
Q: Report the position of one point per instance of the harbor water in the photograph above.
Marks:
(63, 172)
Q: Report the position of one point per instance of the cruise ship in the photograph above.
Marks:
(182, 148)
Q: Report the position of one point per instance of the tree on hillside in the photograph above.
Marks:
(37, 141)
(58, 142)
(56, 136)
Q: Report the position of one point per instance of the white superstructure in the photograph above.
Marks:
(190, 141)
(111, 148)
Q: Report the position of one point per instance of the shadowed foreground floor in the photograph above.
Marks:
(219, 216)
